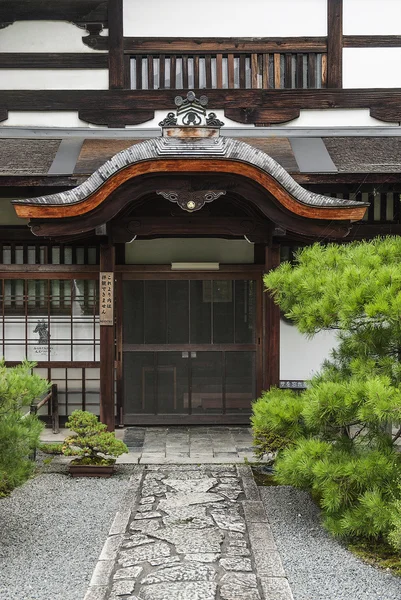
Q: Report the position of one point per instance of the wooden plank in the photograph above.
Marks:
(334, 43)
(271, 329)
(149, 62)
(254, 71)
(77, 11)
(311, 70)
(185, 71)
(324, 70)
(223, 45)
(47, 60)
(173, 73)
(196, 71)
(116, 45)
(208, 69)
(242, 71)
(265, 72)
(372, 41)
(230, 65)
(162, 72)
(299, 79)
(219, 71)
(288, 70)
(107, 350)
(277, 70)
(139, 72)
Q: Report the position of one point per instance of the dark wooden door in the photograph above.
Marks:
(190, 350)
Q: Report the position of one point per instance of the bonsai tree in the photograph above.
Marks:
(92, 443)
(337, 439)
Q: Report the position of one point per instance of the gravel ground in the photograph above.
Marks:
(52, 530)
(317, 566)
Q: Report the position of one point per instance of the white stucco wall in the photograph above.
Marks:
(337, 117)
(44, 119)
(371, 17)
(300, 357)
(54, 79)
(43, 36)
(371, 67)
(225, 18)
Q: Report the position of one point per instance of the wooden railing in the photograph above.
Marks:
(178, 64)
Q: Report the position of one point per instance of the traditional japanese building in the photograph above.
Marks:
(148, 180)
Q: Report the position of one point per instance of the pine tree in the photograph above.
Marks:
(338, 436)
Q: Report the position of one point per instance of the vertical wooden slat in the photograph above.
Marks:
(242, 71)
(173, 72)
(139, 72)
(230, 62)
(324, 70)
(127, 72)
(334, 43)
(371, 208)
(208, 69)
(149, 60)
(265, 71)
(185, 71)
(383, 207)
(254, 71)
(271, 328)
(219, 71)
(299, 81)
(116, 45)
(277, 74)
(162, 72)
(107, 262)
(196, 71)
(396, 207)
(311, 70)
(288, 70)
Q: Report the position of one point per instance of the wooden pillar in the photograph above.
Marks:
(107, 346)
(271, 330)
(335, 43)
(116, 45)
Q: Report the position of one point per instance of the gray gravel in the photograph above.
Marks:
(51, 533)
(317, 566)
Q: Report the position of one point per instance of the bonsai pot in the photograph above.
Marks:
(84, 468)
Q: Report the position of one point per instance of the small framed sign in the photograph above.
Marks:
(106, 298)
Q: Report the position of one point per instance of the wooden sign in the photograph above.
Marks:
(106, 298)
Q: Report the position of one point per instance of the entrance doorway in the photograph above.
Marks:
(191, 349)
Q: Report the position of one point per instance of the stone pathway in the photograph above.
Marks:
(190, 532)
(159, 445)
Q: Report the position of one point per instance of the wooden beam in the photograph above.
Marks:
(47, 60)
(372, 41)
(387, 100)
(334, 43)
(116, 45)
(107, 349)
(271, 329)
(77, 11)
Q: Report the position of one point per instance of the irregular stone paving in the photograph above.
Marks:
(190, 532)
(159, 445)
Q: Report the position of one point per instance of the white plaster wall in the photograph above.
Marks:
(300, 357)
(54, 79)
(338, 117)
(372, 17)
(44, 119)
(43, 36)
(372, 67)
(225, 18)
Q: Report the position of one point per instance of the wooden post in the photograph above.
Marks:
(335, 43)
(271, 330)
(107, 348)
(116, 45)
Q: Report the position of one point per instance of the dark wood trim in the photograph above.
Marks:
(334, 43)
(271, 326)
(47, 60)
(273, 99)
(50, 270)
(37, 183)
(346, 178)
(372, 41)
(242, 271)
(188, 347)
(119, 307)
(262, 117)
(116, 45)
(59, 364)
(77, 11)
(116, 118)
(107, 350)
